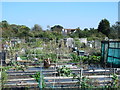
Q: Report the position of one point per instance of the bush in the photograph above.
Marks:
(37, 77)
(4, 78)
(75, 58)
(83, 82)
(86, 59)
(51, 56)
(64, 71)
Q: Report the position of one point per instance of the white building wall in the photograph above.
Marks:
(83, 40)
(70, 42)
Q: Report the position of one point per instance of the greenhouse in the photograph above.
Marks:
(111, 53)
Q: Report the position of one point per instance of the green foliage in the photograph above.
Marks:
(91, 59)
(96, 36)
(97, 53)
(4, 24)
(86, 83)
(94, 59)
(4, 78)
(115, 81)
(46, 35)
(24, 32)
(64, 71)
(6, 68)
(90, 34)
(83, 82)
(75, 58)
(51, 56)
(38, 43)
(114, 32)
(20, 67)
(57, 28)
(37, 28)
(13, 63)
(78, 43)
(38, 77)
(13, 30)
(86, 59)
(23, 58)
(104, 27)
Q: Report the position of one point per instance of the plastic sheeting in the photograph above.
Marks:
(111, 53)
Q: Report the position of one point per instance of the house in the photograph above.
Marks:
(83, 40)
(94, 44)
(68, 31)
(69, 42)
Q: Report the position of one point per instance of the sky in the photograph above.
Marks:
(59, 0)
(119, 11)
(66, 14)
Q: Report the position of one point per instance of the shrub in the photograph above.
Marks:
(64, 71)
(4, 78)
(37, 77)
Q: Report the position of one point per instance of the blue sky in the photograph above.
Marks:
(67, 14)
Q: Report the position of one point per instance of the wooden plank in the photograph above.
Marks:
(22, 79)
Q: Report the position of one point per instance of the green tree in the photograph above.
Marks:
(5, 24)
(6, 30)
(37, 28)
(57, 28)
(15, 28)
(114, 31)
(104, 27)
(23, 31)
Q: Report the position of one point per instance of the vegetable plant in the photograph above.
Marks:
(83, 82)
(64, 71)
(4, 77)
(115, 81)
(37, 77)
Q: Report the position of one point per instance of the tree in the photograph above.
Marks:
(5, 24)
(37, 28)
(23, 31)
(114, 32)
(57, 28)
(6, 29)
(48, 27)
(104, 27)
(15, 28)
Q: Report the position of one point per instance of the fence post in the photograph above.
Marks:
(81, 71)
